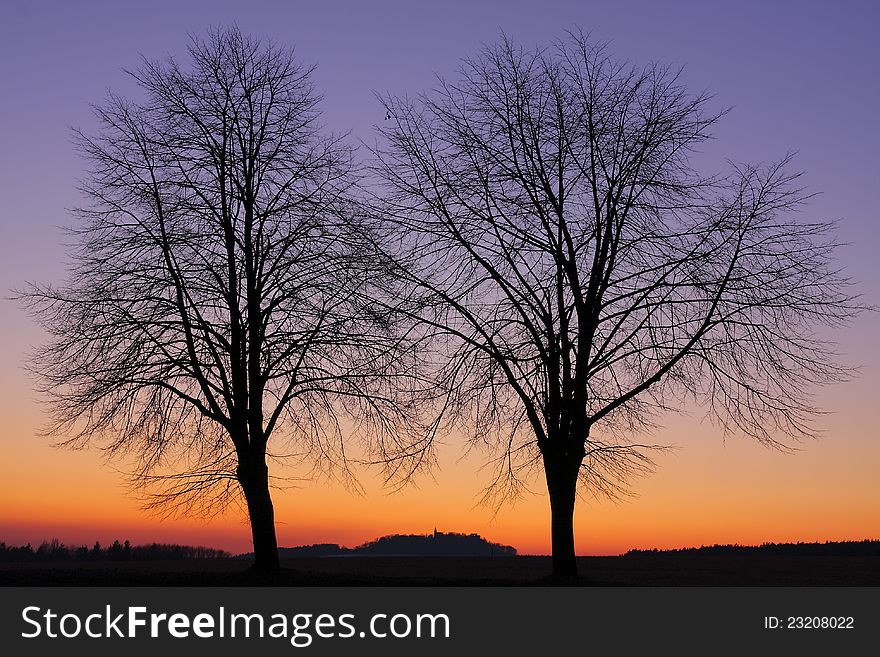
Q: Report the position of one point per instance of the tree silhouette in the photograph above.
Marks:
(577, 276)
(221, 292)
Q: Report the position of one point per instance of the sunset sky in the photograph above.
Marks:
(799, 76)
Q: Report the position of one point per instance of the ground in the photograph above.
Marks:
(633, 570)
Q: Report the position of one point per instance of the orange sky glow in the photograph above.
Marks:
(708, 490)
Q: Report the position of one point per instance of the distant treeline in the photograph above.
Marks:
(438, 544)
(866, 548)
(55, 550)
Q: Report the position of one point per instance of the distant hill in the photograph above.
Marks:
(437, 544)
(866, 548)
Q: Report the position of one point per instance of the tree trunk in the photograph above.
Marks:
(262, 516)
(562, 476)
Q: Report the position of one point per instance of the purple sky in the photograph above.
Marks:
(799, 75)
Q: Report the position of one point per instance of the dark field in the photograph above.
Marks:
(630, 570)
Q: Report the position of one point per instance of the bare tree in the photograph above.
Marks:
(221, 292)
(578, 277)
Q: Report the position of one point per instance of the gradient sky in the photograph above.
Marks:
(799, 76)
